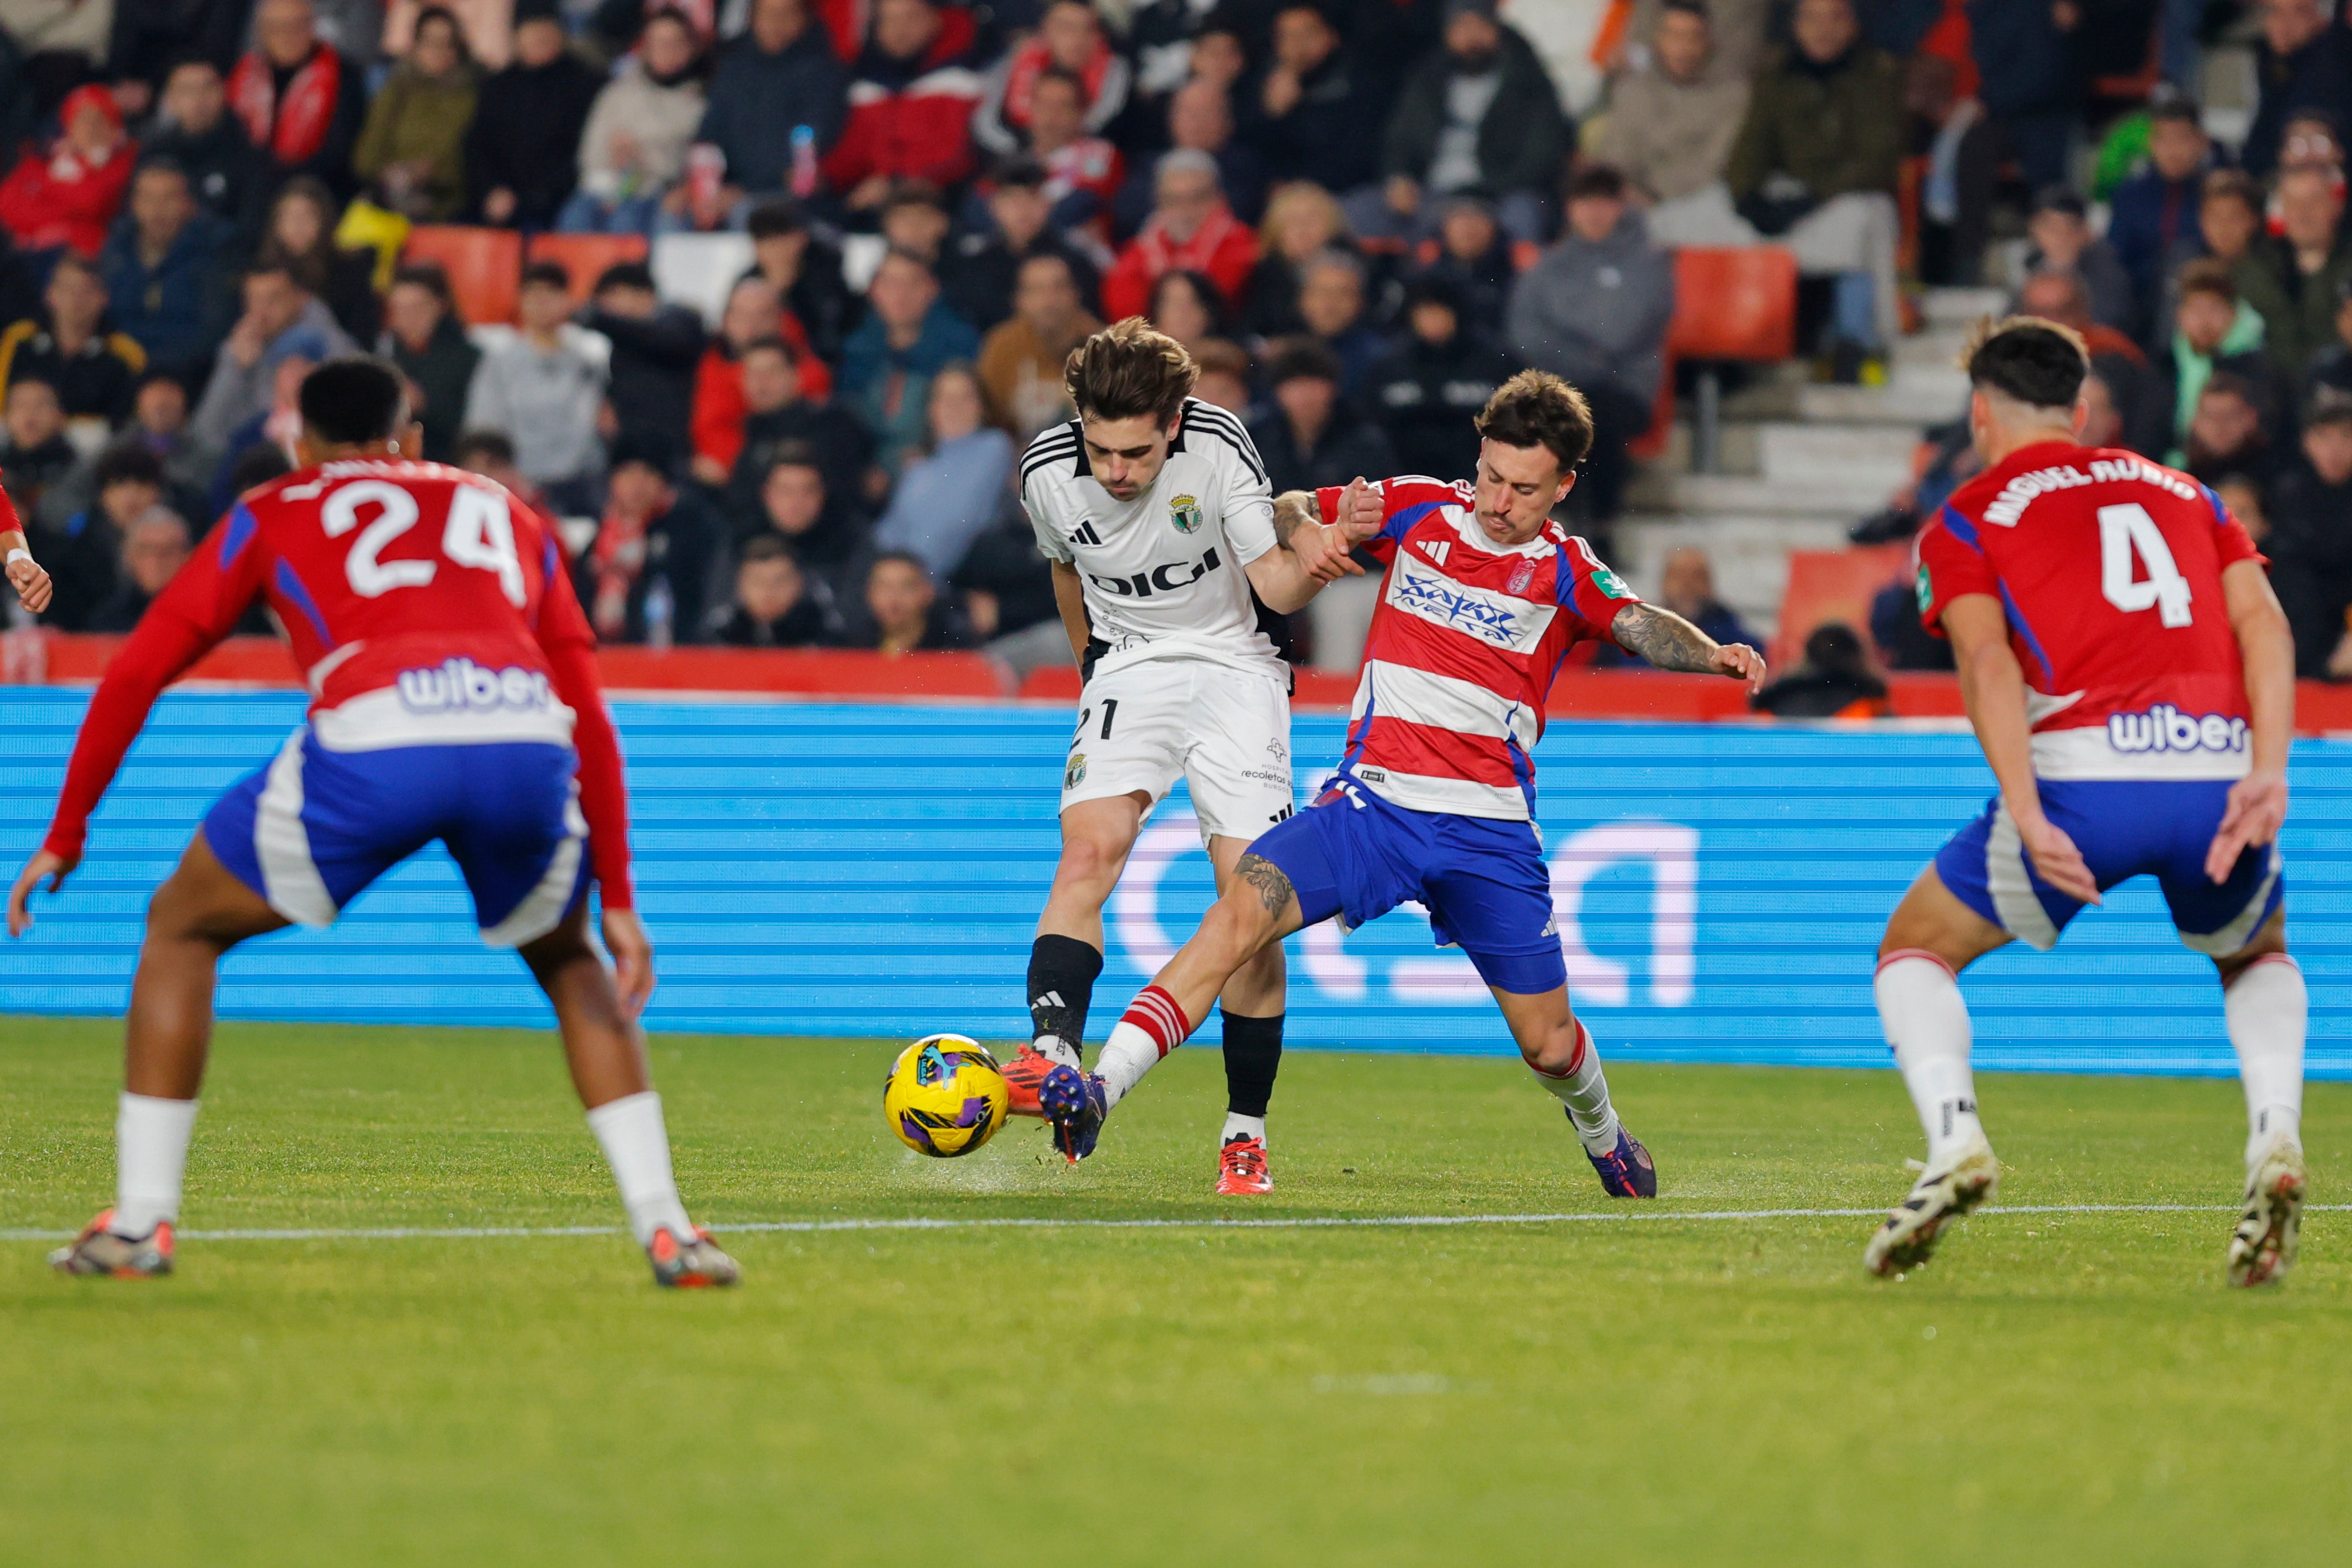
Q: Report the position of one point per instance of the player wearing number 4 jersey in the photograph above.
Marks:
(454, 697)
(1168, 565)
(2132, 681)
(1435, 799)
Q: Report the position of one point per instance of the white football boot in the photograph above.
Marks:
(1945, 1191)
(2262, 1248)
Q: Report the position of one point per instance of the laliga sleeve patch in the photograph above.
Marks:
(1610, 583)
(1926, 590)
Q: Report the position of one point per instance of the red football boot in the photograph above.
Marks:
(1242, 1169)
(1021, 1075)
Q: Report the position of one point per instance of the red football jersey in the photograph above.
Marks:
(1463, 650)
(425, 606)
(2109, 566)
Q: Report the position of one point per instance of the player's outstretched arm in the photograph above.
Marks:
(1309, 554)
(2257, 805)
(24, 574)
(1671, 643)
(1992, 688)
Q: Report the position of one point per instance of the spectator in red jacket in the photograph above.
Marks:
(1069, 38)
(67, 196)
(1191, 230)
(301, 102)
(753, 315)
(910, 104)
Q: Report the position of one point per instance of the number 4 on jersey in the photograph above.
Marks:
(2126, 528)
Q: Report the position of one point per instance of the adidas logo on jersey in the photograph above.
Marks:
(1437, 550)
(2165, 728)
(462, 684)
(1086, 535)
(1165, 579)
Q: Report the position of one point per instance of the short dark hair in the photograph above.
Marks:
(162, 164)
(769, 345)
(628, 274)
(1303, 359)
(71, 262)
(1222, 356)
(2208, 274)
(2233, 184)
(354, 401)
(2029, 361)
(766, 547)
(796, 455)
(129, 465)
(771, 218)
(1020, 170)
(1076, 82)
(2180, 109)
(2228, 384)
(429, 276)
(2328, 407)
(257, 465)
(483, 445)
(1689, 8)
(900, 557)
(1536, 408)
(548, 275)
(2060, 199)
(1601, 180)
(1127, 370)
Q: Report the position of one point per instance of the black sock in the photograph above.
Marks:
(1062, 971)
(1253, 1056)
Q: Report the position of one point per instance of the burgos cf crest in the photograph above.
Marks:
(1184, 511)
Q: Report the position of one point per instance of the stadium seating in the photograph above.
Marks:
(1833, 585)
(484, 265)
(1732, 306)
(699, 269)
(585, 256)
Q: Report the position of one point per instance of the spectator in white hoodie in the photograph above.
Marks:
(633, 149)
(543, 389)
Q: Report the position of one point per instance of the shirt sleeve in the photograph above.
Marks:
(565, 638)
(1041, 520)
(198, 608)
(2230, 537)
(1591, 591)
(1951, 563)
(1248, 499)
(1404, 502)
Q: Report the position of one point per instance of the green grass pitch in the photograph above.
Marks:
(2061, 1388)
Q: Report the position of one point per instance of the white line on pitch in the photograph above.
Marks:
(1015, 1222)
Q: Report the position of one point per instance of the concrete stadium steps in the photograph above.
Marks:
(1750, 554)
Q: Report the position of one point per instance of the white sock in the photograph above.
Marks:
(637, 1145)
(1240, 1126)
(1584, 1090)
(2269, 1010)
(1127, 1056)
(1057, 1050)
(150, 1155)
(1926, 1022)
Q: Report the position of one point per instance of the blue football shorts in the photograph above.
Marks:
(1485, 883)
(2125, 828)
(315, 827)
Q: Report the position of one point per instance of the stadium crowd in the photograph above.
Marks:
(1361, 215)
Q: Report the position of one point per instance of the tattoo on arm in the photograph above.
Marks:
(1293, 510)
(1274, 889)
(1664, 638)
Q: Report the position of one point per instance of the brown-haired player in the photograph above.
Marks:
(1167, 554)
(1435, 799)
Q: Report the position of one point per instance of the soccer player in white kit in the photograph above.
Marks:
(1157, 515)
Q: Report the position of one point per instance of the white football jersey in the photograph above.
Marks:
(1162, 573)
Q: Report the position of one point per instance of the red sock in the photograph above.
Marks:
(1155, 1012)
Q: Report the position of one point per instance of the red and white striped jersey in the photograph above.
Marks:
(1463, 650)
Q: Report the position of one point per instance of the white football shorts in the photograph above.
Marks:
(1224, 731)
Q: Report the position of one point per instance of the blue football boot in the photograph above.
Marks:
(1627, 1170)
(1074, 1104)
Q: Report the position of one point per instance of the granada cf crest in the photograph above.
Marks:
(1184, 511)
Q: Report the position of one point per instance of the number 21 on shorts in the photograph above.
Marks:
(2127, 528)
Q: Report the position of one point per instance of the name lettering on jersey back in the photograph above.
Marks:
(2165, 728)
(1165, 579)
(2025, 489)
(459, 683)
(1496, 619)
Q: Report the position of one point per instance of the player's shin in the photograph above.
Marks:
(2269, 1011)
(1926, 1022)
(1253, 1056)
(1062, 974)
(1584, 1088)
(637, 1145)
(150, 1140)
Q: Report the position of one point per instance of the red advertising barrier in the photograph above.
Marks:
(35, 658)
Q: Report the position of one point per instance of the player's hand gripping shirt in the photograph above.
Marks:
(1463, 650)
(1162, 573)
(2109, 568)
(425, 606)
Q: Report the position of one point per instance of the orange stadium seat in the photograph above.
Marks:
(485, 268)
(1833, 585)
(585, 256)
(1732, 305)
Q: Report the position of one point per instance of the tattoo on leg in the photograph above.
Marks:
(1274, 889)
(1664, 638)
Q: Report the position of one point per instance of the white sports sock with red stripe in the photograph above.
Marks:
(1926, 1022)
(1152, 1027)
(2269, 1011)
(1584, 1090)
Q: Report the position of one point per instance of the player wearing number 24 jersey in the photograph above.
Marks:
(2131, 678)
(454, 697)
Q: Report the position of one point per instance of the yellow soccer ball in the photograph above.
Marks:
(944, 1097)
